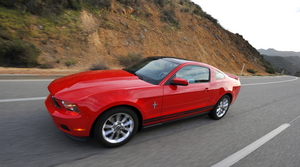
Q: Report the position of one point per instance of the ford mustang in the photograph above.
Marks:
(112, 105)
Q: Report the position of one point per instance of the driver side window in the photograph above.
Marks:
(194, 74)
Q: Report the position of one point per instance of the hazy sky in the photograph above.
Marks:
(263, 23)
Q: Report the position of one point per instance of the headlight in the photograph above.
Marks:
(70, 106)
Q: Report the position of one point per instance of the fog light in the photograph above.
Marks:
(79, 129)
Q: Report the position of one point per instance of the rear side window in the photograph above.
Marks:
(194, 74)
(219, 75)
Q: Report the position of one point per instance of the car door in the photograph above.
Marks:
(180, 101)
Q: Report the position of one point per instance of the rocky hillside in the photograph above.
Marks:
(88, 35)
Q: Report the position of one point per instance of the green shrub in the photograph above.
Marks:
(100, 4)
(169, 17)
(270, 69)
(45, 7)
(54, 7)
(129, 59)
(46, 66)
(198, 12)
(161, 3)
(252, 71)
(209, 17)
(128, 2)
(181, 2)
(17, 53)
(186, 10)
(147, 14)
(70, 62)
(99, 66)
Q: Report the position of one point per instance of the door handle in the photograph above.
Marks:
(206, 90)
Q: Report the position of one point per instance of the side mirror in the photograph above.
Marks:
(180, 81)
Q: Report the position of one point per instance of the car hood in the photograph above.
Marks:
(77, 86)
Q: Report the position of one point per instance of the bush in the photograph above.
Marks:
(51, 7)
(198, 12)
(45, 7)
(181, 2)
(209, 17)
(99, 66)
(161, 3)
(128, 2)
(186, 10)
(70, 62)
(100, 4)
(270, 69)
(17, 53)
(46, 66)
(169, 17)
(129, 59)
(147, 14)
(252, 71)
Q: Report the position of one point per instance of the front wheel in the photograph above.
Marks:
(220, 108)
(116, 127)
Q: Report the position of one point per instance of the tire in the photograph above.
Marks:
(116, 127)
(220, 108)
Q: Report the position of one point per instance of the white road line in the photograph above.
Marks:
(295, 119)
(256, 77)
(266, 83)
(22, 99)
(232, 159)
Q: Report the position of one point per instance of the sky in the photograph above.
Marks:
(263, 23)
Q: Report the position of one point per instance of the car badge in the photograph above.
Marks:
(154, 104)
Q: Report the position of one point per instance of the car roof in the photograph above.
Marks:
(181, 61)
(173, 59)
(177, 60)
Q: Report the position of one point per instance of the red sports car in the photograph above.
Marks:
(113, 104)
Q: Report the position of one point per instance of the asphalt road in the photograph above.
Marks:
(261, 129)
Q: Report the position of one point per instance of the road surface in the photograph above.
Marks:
(261, 129)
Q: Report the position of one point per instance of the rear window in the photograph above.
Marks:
(219, 75)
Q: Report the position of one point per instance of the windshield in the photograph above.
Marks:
(152, 69)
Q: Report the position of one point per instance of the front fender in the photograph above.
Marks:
(141, 99)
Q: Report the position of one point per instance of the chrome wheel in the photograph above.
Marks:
(222, 107)
(117, 128)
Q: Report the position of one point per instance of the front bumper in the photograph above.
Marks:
(73, 124)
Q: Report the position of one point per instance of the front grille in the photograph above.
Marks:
(55, 102)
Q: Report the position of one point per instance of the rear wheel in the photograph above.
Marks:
(116, 127)
(220, 108)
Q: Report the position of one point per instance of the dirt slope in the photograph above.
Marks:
(123, 30)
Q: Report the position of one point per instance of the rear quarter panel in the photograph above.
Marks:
(220, 87)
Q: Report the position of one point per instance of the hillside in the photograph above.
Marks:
(273, 52)
(283, 60)
(77, 38)
(282, 64)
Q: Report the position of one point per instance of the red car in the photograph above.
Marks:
(113, 104)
